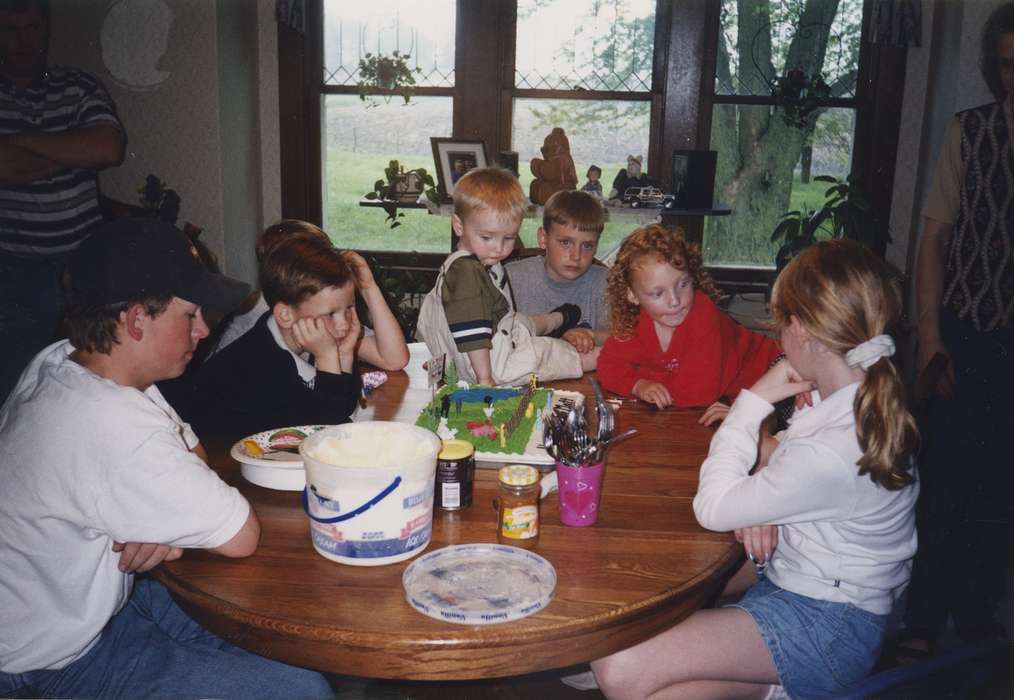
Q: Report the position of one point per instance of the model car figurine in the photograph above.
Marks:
(646, 197)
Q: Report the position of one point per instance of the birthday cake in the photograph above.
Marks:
(503, 423)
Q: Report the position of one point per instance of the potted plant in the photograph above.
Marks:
(386, 75)
(159, 201)
(401, 186)
(845, 213)
(799, 96)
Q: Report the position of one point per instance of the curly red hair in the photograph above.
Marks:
(661, 243)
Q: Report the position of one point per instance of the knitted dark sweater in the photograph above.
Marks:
(253, 385)
(979, 272)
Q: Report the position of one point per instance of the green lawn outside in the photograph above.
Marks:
(351, 175)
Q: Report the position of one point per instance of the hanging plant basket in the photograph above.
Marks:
(799, 96)
(386, 76)
(401, 186)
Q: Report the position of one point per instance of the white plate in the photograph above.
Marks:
(274, 478)
(273, 468)
(479, 584)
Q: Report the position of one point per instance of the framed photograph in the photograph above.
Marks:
(453, 158)
(693, 179)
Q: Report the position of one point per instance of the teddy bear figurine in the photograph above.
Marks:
(555, 170)
(631, 176)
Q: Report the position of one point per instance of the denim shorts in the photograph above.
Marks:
(820, 648)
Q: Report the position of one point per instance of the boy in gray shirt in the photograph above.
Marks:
(571, 225)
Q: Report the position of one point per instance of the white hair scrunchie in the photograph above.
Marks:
(865, 354)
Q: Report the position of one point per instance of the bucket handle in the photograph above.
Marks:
(352, 513)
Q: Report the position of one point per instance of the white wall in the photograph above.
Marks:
(942, 78)
(196, 86)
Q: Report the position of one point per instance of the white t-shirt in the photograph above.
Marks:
(841, 537)
(88, 462)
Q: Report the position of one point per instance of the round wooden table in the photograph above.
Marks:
(645, 565)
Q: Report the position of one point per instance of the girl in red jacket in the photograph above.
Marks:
(670, 344)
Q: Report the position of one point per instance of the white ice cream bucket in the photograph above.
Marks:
(369, 491)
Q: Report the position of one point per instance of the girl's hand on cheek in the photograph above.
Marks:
(653, 393)
(781, 382)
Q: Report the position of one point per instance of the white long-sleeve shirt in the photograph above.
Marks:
(841, 537)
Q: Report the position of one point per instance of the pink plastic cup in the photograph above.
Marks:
(580, 491)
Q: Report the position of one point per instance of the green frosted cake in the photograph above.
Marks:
(503, 423)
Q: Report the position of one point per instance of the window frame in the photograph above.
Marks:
(682, 98)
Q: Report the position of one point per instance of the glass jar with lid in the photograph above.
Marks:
(518, 507)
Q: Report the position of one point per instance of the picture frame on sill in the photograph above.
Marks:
(693, 179)
(453, 158)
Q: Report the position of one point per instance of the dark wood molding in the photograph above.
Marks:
(880, 96)
(582, 94)
(684, 76)
(682, 98)
(291, 120)
(478, 71)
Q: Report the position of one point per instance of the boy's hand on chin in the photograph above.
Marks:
(653, 393)
(582, 339)
(314, 337)
(348, 342)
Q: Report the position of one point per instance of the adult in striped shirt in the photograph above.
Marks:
(58, 127)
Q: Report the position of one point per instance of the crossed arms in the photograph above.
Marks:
(32, 155)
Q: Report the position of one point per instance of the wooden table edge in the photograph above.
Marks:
(427, 659)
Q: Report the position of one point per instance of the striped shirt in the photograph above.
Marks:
(52, 215)
(475, 300)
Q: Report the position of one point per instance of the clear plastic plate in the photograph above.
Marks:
(479, 584)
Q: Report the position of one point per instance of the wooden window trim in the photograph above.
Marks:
(682, 98)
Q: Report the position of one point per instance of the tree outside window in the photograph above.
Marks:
(765, 166)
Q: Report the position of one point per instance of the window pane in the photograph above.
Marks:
(573, 44)
(358, 143)
(601, 132)
(764, 176)
(775, 36)
(423, 30)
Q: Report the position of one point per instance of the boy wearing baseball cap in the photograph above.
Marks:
(102, 480)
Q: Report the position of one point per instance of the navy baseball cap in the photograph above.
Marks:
(127, 260)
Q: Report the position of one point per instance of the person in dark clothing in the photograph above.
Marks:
(965, 295)
(297, 365)
(58, 129)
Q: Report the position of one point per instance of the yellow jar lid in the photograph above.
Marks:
(456, 449)
(519, 475)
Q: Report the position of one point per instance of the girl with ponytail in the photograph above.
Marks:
(836, 496)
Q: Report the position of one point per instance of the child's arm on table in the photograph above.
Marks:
(651, 392)
(583, 339)
(804, 483)
(387, 349)
(545, 323)
(617, 366)
(759, 541)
